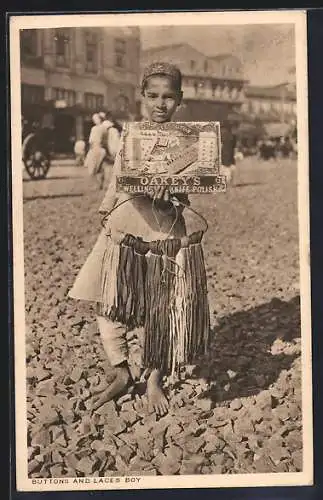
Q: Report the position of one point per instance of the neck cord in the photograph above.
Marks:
(157, 220)
(200, 216)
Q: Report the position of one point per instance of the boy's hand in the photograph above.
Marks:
(160, 194)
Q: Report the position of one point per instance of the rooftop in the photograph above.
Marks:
(161, 48)
(273, 91)
(221, 57)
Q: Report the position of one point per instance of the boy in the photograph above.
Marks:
(152, 218)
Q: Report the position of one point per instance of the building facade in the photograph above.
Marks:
(272, 104)
(213, 87)
(67, 74)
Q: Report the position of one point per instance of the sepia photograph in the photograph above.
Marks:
(161, 292)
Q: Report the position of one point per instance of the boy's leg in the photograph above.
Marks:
(156, 397)
(114, 340)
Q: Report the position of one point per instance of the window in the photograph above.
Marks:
(62, 47)
(120, 53)
(199, 88)
(256, 106)
(122, 103)
(32, 94)
(192, 64)
(69, 96)
(278, 106)
(94, 101)
(91, 53)
(28, 44)
(263, 106)
(216, 90)
(226, 92)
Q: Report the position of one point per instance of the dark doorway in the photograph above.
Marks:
(64, 133)
(87, 125)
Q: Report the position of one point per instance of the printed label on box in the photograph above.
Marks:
(166, 154)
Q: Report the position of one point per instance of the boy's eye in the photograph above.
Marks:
(164, 97)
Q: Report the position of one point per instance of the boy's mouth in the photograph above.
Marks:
(160, 116)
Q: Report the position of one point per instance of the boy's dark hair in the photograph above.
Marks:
(162, 69)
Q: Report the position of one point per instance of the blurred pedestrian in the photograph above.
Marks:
(96, 153)
(229, 149)
(267, 149)
(79, 151)
(286, 147)
(239, 156)
(110, 143)
(112, 139)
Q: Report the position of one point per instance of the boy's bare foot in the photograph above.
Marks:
(121, 381)
(156, 397)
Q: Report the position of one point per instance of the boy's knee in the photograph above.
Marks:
(114, 339)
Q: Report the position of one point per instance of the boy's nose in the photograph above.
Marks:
(160, 103)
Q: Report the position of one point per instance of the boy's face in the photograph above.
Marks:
(161, 99)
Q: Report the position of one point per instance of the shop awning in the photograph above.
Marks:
(247, 127)
(250, 130)
(235, 117)
(277, 129)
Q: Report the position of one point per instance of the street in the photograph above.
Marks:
(250, 418)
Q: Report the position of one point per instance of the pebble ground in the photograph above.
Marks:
(238, 410)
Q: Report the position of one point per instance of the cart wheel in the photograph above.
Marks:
(37, 165)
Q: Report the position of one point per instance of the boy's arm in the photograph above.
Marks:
(183, 200)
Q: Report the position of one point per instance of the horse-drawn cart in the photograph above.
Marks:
(36, 155)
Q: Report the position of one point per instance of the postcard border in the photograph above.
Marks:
(156, 482)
